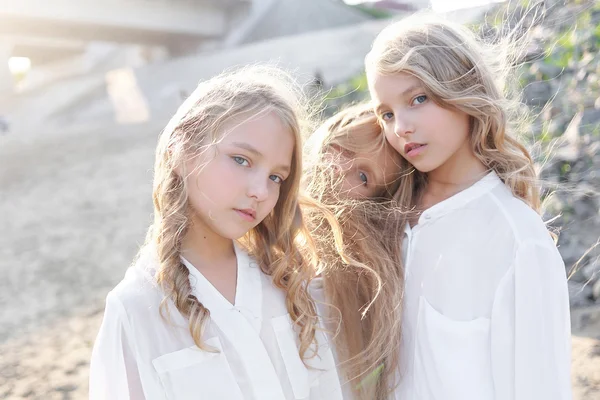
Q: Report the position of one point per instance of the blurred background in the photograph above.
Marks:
(87, 85)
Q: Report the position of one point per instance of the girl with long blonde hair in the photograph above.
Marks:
(216, 306)
(486, 310)
(352, 170)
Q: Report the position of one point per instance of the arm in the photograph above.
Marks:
(113, 367)
(531, 331)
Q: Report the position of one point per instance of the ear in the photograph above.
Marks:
(181, 170)
(178, 171)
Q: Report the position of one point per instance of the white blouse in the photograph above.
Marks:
(137, 355)
(486, 308)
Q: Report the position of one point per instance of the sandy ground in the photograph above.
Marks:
(74, 209)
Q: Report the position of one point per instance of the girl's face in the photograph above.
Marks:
(433, 139)
(236, 183)
(366, 174)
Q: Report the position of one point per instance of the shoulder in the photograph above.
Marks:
(524, 223)
(536, 254)
(138, 291)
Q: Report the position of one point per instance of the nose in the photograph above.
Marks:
(402, 127)
(258, 188)
(337, 160)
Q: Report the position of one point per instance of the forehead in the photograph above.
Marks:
(363, 139)
(382, 156)
(384, 86)
(263, 124)
(265, 132)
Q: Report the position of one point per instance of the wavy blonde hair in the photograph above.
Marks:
(365, 290)
(460, 72)
(199, 124)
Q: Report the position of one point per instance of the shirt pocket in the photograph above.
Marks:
(288, 346)
(192, 373)
(452, 358)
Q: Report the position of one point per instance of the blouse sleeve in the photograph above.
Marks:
(530, 328)
(113, 367)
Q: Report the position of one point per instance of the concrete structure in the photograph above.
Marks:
(269, 19)
(44, 50)
(395, 6)
(47, 31)
(157, 22)
(6, 78)
(337, 54)
(61, 35)
(154, 91)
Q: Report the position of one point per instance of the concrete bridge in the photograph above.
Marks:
(45, 30)
(152, 22)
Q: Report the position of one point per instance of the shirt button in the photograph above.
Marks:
(427, 216)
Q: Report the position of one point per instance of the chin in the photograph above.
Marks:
(236, 235)
(425, 167)
(231, 232)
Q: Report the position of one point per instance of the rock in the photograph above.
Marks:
(596, 291)
(586, 321)
(592, 272)
(557, 126)
(570, 151)
(572, 132)
(591, 117)
(537, 93)
(580, 295)
(585, 207)
(547, 71)
(66, 388)
(572, 250)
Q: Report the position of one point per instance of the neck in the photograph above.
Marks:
(205, 247)
(461, 171)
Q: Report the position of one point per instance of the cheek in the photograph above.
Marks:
(228, 176)
(347, 184)
(393, 139)
(218, 179)
(453, 140)
(352, 187)
(273, 198)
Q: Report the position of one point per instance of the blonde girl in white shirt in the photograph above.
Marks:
(354, 171)
(216, 306)
(485, 312)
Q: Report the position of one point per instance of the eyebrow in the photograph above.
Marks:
(406, 91)
(411, 88)
(257, 153)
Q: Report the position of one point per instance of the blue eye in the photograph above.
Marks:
(387, 116)
(363, 178)
(241, 161)
(276, 179)
(419, 99)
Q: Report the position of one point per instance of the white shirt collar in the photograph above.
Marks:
(478, 189)
(248, 292)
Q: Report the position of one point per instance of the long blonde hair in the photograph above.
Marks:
(199, 124)
(462, 73)
(365, 293)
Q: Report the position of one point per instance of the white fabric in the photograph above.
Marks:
(137, 355)
(329, 322)
(486, 308)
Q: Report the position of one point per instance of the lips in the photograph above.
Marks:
(408, 147)
(247, 213)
